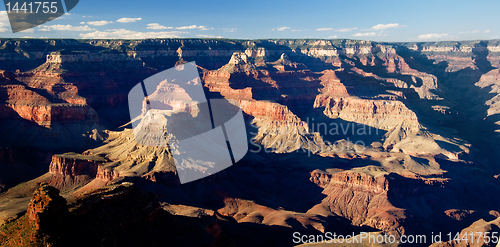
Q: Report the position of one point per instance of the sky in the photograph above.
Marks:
(389, 21)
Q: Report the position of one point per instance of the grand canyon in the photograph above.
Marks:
(344, 136)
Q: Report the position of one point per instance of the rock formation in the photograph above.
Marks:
(46, 208)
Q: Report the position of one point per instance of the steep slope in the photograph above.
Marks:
(48, 115)
(102, 78)
(287, 123)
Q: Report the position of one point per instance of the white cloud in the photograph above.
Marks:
(4, 21)
(346, 29)
(337, 30)
(98, 23)
(433, 36)
(473, 31)
(128, 34)
(157, 26)
(282, 28)
(386, 26)
(82, 23)
(229, 30)
(486, 31)
(66, 28)
(208, 36)
(27, 31)
(126, 20)
(333, 37)
(365, 34)
(4, 16)
(193, 27)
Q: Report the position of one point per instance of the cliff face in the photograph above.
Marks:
(65, 165)
(44, 104)
(370, 112)
(45, 113)
(491, 81)
(373, 197)
(347, 191)
(45, 206)
(43, 101)
(282, 102)
(98, 81)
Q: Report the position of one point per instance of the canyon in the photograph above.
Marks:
(344, 136)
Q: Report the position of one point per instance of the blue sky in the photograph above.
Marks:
(368, 20)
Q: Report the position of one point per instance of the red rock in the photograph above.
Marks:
(68, 166)
(46, 207)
